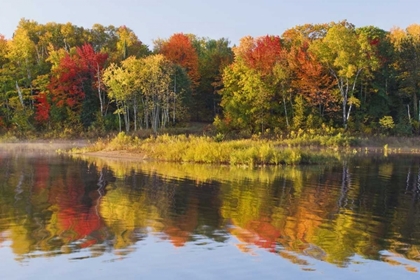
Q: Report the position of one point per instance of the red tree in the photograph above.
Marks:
(180, 50)
(42, 108)
(267, 51)
(311, 78)
(77, 79)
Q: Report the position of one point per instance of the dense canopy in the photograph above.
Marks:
(61, 78)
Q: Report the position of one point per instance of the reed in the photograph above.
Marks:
(204, 149)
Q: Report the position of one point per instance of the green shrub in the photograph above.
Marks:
(403, 129)
(219, 137)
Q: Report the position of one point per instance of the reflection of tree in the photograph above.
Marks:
(405, 227)
(180, 227)
(125, 218)
(74, 197)
(51, 206)
(345, 184)
(328, 213)
(179, 210)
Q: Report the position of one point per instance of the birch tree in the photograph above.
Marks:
(120, 81)
(155, 82)
(346, 54)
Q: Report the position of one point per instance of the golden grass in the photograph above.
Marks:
(204, 149)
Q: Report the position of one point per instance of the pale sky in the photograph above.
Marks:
(232, 19)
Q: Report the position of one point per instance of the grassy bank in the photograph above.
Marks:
(213, 150)
(199, 143)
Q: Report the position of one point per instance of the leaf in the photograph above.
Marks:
(354, 101)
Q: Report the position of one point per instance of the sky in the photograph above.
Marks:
(232, 19)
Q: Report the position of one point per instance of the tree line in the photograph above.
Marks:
(62, 77)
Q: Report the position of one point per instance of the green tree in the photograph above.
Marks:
(213, 57)
(103, 38)
(246, 100)
(5, 84)
(256, 85)
(376, 90)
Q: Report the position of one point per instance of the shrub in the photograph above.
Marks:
(122, 142)
(387, 123)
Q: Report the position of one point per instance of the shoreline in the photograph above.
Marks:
(43, 145)
(121, 154)
(373, 147)
(132, 156)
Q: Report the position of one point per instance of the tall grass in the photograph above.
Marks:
(204, 149)
(329, 138)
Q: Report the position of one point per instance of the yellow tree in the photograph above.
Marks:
(155, 81)
(22, 66)
(121, 83)
(129, 45)
(346, 55)
(407, 45)
(21, 54)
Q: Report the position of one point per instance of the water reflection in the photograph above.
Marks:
(365, 207)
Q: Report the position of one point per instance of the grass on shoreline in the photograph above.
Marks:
(186, 145)
(210, 150)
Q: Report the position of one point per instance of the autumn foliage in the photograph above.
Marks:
(267, 51)
(76, 80)
(180, 50)
(74, 74)
(309, 76)
(312, 81)
(42, 108)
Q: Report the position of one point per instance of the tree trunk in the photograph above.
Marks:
(285, 111)
(135, 113)
(408, 112)
(119, 118)
(101, 99)
(127, 118)
(20, 95)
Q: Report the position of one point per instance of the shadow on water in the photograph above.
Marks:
(365, 207)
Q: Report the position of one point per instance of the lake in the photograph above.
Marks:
(90, 218)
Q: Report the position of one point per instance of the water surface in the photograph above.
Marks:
(92, 218)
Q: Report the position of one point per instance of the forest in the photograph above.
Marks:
(63, 80)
